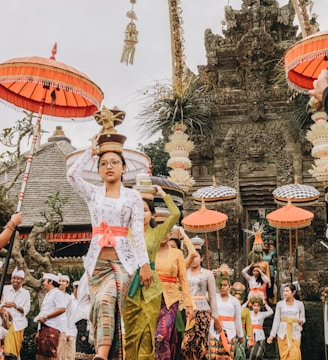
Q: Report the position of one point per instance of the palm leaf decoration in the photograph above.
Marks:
(165, 105)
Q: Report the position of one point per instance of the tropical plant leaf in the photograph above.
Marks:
(166, 104)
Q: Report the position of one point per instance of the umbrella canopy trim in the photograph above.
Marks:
(305, 59)
(71, 93)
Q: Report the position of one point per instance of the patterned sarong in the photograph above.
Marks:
(47, 342)
(84, 350)
(258, 350)
(108, 288)
(166, 335)
(217, 351)
(195, 340)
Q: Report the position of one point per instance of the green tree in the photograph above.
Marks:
(157, 155)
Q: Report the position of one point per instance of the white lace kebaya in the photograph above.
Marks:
(125, 211)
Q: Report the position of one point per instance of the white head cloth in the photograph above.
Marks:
(51, 277)
(63, 277)
(18, 273)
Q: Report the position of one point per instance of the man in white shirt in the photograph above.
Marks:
(75, 288)
(51, 320)
(71, 330)
(17, 302)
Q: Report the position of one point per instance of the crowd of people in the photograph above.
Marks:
(148, 300)
(139, 293)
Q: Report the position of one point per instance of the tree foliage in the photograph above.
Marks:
(34, 252)
(157, 155)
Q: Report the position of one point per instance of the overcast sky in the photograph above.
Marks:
(90, 38)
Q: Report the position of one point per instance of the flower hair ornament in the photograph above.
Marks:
(238, 288)
(255, 298)
(223, 273)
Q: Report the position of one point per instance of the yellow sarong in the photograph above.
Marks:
(289, 352)
(13, 342)
(289, 322)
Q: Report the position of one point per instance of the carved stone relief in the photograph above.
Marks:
(258, 146)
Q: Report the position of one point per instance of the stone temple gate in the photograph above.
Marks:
(251, 147)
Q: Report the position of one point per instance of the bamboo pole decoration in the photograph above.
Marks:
(131, 37)
(300, 7)
(176, 44)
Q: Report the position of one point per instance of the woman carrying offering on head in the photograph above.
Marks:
(238, 290)
(257, 282)
(112, 257)
(142, 307)
(203, 294)
(171, 268)
(258, 338)
(222, 340)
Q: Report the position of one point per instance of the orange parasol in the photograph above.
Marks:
(290, 217)
(62, 90)
(205, 220)
(48, 87)
(305, 59)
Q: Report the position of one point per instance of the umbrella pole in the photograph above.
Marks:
(207, 256)
(290, 256)
(36, 134)
(218, 239)
(296, 249)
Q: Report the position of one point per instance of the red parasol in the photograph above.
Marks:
(290, 217)
(305, 59)
(205, 220)
(48, 87)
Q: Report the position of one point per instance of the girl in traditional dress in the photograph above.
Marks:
(222, 341)
(287, 324)
(257, 282)
(258, 338)
(112, 257)
(171, 268)
(202, 285)
(238, 290)
(180, 240)
(144, 305)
